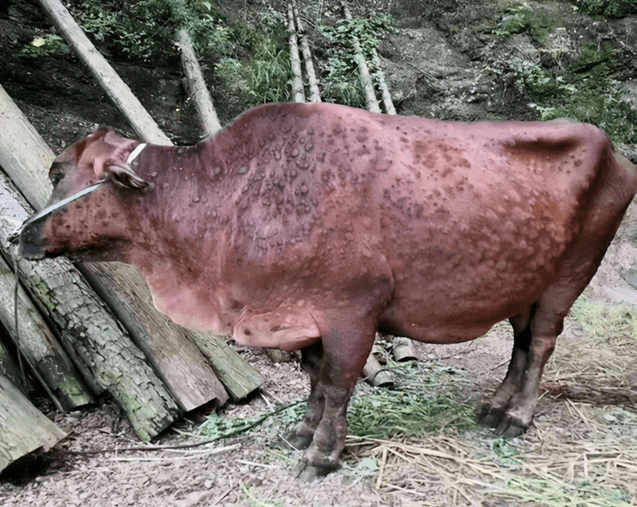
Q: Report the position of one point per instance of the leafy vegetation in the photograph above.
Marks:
(607, 8)
(45, 46)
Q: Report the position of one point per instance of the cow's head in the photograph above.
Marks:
(88, 213)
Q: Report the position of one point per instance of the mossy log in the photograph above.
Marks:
(239, 378)
(99, 347)
(363, 69)
(39, 347)
(315, 94)
(24, 430)
(115, 88)
(196, 85)
(298, 94)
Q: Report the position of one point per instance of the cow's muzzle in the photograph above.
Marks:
(31, 239)
(30, 246)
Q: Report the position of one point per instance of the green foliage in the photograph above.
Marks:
(339, 70)
(517, 20)
(607, 8)
(530, 77)
(261, 78)
(45, 46)
(520, 18)
(585, 91)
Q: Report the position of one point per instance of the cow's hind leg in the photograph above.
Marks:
(491, 413)
(311, 359)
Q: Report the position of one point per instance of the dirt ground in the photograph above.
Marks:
(581, 448)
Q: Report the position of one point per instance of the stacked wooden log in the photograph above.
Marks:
(89, 329)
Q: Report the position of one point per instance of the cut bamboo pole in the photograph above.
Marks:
(99, 347)
(239, 378)
(375, 375)
(315, 94)
(366, 79)
(24, 430)
(298, 94)
(39, 347)
(387, 101)
(196, 85)
(403, 349)
(115, 88)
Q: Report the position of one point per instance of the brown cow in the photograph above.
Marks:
(311, 226)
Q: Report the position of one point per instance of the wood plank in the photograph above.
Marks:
(39, 346)
(103, 351)
(24, 430)
(239, 378)
(115, 88)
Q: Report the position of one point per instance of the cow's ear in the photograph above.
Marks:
(124, 176)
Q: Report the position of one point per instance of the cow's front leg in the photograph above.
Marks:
(347, 343)
(311, 359)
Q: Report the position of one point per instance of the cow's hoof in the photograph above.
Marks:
(510, 428)
(299, 442)
(308, 473)
(489, 416)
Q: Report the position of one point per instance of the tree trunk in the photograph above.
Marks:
(387, 101)
(298, 95)
(315, 94)
(99, 347)
(39, 347)
(366, 80)
(238, 376)
(23, 429)
(196, 86)
(167, 346)
(108, 79)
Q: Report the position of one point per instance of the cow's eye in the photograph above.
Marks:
(57, 178)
